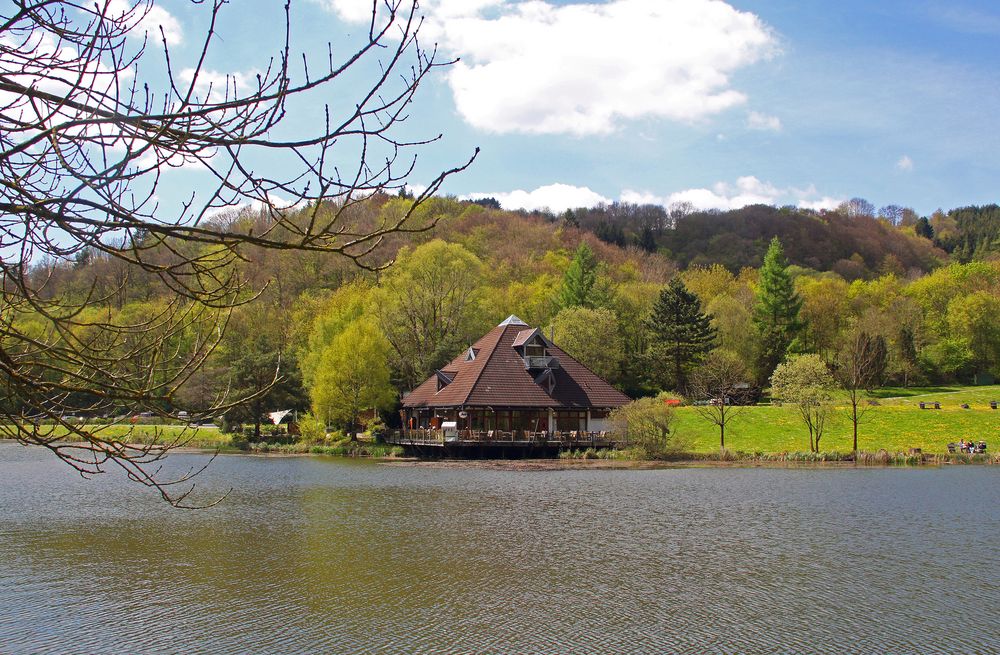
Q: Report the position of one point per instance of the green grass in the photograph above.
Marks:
(189, 437)
(895, 425)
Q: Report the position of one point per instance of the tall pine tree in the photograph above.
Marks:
(578, 281)
(776, 319)
(681, 335)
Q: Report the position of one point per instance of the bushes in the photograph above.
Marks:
(341, 449)
(647, 423)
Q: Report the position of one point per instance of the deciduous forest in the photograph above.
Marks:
(325, 337)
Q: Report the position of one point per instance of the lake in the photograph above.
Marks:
(318, 555)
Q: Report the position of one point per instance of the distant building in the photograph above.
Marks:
(513, 380)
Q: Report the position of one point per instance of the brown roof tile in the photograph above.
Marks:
(497, 377)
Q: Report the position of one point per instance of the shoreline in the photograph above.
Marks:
(883, 459)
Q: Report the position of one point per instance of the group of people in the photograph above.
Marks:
(972, 447)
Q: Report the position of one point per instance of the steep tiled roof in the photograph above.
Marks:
(497, 377)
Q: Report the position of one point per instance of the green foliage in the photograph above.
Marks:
(311, 429)
(975, 318)
(353, 375)
(428, 307)
(776, 313)
(257, 366)
(341, 308)
(681, 335)
(647, 423)
(591, 336)
(806, 382)
(974, 233)
(578, 282)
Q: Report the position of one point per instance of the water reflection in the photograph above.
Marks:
(313, 555)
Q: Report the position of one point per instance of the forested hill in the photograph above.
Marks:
(855, 246)
(968, 233)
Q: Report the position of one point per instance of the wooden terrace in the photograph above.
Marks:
(498, 443)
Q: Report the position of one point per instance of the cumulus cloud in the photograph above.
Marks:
(759, 121)
(554, 197)
(748, 190)
(583, 68)
(155, 18)
(904, 163)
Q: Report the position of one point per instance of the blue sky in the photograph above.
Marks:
(720, 104)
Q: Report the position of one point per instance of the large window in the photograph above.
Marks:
(567, 421)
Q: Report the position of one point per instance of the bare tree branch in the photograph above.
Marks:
(85, 139)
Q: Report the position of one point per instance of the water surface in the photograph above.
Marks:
(313, 555)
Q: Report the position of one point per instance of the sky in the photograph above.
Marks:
(720, 104)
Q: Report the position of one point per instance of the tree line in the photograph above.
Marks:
(334, 341)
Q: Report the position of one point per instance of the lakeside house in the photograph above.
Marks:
(513, 383)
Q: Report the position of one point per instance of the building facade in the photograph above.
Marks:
(513, 381)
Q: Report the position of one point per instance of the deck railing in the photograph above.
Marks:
(565, 438)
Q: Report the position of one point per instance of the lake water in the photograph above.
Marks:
(314, 555)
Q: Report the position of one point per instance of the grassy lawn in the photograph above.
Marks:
(895, 425)
(191, 437)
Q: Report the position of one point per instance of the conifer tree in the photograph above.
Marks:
(681, 335)
(776, 312)
(578, 282)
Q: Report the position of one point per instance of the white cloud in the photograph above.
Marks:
(149, 24)
(904, 163)
(759, 121)
(538, 67)
(748, 190)
(555, 197)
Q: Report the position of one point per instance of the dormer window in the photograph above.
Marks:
(444, 378)
(547, 381)
(470, 354)
(534, 349)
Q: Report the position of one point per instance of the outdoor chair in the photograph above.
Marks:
(937, 405)
(951, 447)
(981, 447)
(993, 404)
(923, 406)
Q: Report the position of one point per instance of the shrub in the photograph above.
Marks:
(647, 423)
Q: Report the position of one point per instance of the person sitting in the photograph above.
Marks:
(962, 446)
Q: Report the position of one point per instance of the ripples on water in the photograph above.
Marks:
(313, 555)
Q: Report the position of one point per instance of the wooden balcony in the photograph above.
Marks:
(571, 439)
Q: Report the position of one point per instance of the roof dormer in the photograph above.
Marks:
(533, 348)
(444, 378)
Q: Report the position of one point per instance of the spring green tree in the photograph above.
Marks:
(429, 307)
(681, 335)
(592, 337)
(353, 376)
(805, 382)
(579, 279)
(776, 317)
